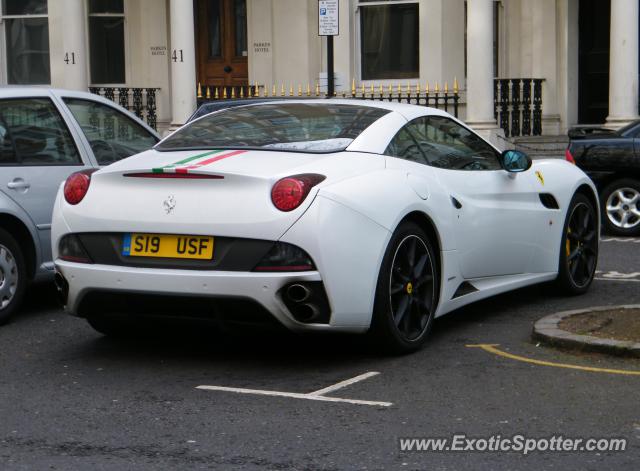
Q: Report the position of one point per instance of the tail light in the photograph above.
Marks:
(71, 249)
(77, 185)
(568, 157)
(285, 257)
(288, 193)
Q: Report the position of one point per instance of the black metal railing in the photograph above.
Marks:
(518, 106)
(445, 98)
(140, 101)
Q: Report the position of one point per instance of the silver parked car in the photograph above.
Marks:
(45, 135)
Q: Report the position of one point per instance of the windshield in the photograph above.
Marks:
(308, 127)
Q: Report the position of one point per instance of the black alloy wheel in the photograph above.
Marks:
(579, 249)
(406, 296)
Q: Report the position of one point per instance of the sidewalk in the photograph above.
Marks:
(614, 330)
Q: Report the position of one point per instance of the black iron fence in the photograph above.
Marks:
(444, 98)
(518, 106)
(517, 101)
(140, 101)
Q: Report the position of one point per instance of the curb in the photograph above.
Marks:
(547, 331)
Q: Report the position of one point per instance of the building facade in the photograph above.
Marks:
(584, 51)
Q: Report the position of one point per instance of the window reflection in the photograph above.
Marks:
(27, 51)
(389, 41)
(215, 49)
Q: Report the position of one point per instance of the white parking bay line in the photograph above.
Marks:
(318, 395)
(617, 276)
(633, 240)
(617, 279)
(344, 384)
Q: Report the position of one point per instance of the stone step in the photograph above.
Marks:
(542, 147)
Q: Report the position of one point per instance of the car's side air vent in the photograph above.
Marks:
(464, 288)
(548, 201)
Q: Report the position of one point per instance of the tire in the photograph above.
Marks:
(578, 247)
(110, 326)
(620, 203)
(13, 276)
(407, 291)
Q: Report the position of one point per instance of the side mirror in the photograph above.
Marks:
(515, 161)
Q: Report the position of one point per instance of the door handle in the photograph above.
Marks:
(227, 69)
(18, 184)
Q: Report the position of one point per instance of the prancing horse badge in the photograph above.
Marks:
(169, 204)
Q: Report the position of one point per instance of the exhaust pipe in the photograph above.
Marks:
(62, 288)
(306, 312)
(298, 293)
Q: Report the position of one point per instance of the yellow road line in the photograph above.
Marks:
(491, 348)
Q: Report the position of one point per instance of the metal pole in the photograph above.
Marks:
(330, 81)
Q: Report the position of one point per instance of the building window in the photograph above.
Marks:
(389, 43)
(26, 35)
(106, 41)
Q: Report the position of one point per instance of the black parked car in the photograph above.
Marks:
(612, 160)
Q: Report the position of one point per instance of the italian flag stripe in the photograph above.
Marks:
(179, 167)
(185, 161)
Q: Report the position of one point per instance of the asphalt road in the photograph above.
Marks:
(73, 400)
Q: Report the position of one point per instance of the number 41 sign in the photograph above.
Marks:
(328, 18)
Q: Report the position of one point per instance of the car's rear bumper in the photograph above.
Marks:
(87, 280)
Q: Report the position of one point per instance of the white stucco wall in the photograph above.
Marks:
(147, 50)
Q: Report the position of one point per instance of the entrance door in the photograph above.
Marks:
(222, 43)
(593, 79)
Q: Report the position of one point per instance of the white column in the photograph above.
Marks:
(183, 70)
(74, 39)
(623, 63)
(480, 69)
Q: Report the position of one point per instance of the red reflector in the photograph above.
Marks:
(77, 185)
(193, 176)
(568, 157)
(289, 192)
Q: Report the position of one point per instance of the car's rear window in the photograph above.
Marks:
(306, 127)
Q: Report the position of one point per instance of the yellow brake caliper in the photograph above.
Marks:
(568, 243)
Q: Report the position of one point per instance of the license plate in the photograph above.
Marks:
(168, 246)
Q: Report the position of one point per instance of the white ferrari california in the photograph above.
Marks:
(324, 215)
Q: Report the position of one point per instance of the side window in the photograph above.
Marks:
(32, 132)
(111, 134)
(447, 144)
(404, 146)
(7, 152)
